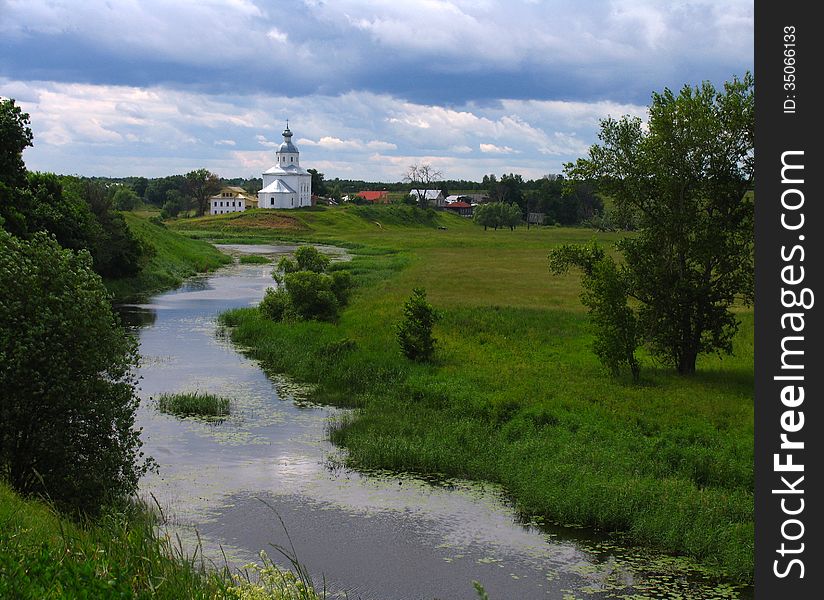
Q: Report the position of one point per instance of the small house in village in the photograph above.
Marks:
(433, 197)
(464, 209)
(231, 199)
(375, 197)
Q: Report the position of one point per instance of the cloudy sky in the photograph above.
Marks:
(128, 87)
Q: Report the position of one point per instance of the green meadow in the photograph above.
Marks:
(515, 395)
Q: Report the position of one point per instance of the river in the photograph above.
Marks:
(240, 485)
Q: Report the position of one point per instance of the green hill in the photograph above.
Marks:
(171, 258)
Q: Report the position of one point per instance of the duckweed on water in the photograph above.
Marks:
(197, 404)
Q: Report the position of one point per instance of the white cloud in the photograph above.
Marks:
(493, 149)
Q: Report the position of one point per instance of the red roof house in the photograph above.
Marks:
(376, 197)
(462, 208)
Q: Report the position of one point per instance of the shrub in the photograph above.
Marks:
(67, 391)
(342, 285)
(415, 331)
(275, 304)
(307, 291)
(307, 258)
(311, 296)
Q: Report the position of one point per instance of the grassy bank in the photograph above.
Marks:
(173, 258)
(44, 555)
(516, 395)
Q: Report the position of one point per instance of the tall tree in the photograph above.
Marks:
(687, 176)
(15, 136)
(318, 185)
(200, 186)
(67, 383)
(421, 177)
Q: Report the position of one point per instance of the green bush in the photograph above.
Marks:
(415, 331)
(67, 390)
(342, 285)
(307, 258)
(275, 304)
(311, 296)
(307, 291)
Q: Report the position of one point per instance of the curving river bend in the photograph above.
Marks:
(377, 536)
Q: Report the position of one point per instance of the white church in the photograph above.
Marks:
(286, 184)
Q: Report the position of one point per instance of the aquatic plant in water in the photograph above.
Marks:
(196, 404)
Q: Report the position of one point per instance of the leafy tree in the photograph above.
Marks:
(200, 186)
(157, 190)
(125, 198)
(15, 136)
(175, 203)
(67, 390)
(415, 331)
(116, 251)
(318, 185)
(497, 214)
(605, 286)
(51, 208)
(686, 176)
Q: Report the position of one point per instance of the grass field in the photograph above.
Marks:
(515, 395)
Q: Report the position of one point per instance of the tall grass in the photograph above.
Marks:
(127, 554)
(193, 404)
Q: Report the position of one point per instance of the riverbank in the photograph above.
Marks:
(46, 555)
(172, 258)
(515, 395)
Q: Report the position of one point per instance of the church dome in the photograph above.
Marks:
(287, 145)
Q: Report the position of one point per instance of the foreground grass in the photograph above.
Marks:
(516, 395)
(46, 556)
(173, 258)
(197, 404)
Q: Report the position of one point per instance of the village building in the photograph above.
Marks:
(433, 197)
(375, 197)
(463, 209)
(286, 184)
(231, 199)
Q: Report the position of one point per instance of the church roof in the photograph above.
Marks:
(278, 186)
(287, 145)
(287, 170)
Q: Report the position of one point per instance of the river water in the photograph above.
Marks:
(267, 475)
